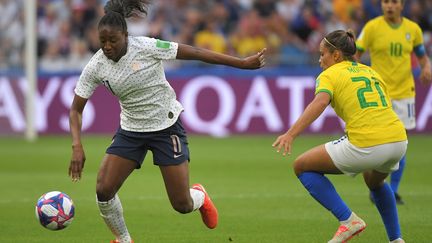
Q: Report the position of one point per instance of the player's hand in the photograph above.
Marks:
(284, 143)
(77, 163)
(255, 61)
(426, 76)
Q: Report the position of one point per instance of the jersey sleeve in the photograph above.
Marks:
(418, 36)
(418, 44)
(160, 49)
(362, 39)
(324, 84)
(87, 82)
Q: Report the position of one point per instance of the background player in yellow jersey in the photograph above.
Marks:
(374, 144)
(390, 39)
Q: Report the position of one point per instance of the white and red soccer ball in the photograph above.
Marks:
(55, 210)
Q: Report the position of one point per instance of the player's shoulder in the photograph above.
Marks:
(329, 73)
(375, 22)
(137, 41)
(144, 42)
(411, 24)
(368, 70)
(97, 58)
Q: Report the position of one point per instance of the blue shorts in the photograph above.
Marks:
(169, 146)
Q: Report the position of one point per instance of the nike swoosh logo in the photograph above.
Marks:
(177, 155)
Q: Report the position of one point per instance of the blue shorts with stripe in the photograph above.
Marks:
(169, 146)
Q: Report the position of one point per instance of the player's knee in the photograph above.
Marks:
(103, 192)
(298, 166)
(183, 206)
(374, 184)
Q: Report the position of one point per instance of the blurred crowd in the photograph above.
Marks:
(290, 29)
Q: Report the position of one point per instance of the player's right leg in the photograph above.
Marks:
(310, 168)
(113, 172)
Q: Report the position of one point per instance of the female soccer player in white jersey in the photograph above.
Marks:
(131, 69)
(390, 39)
(375, 137)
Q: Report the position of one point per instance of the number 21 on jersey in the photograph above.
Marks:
(371, 85)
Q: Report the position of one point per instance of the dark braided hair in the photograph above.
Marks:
(117, 10)
(342, 40)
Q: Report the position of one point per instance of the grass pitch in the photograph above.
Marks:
(258, 197)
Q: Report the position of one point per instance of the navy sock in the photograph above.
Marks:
(386, 204)
(324, 192)
(397, 175)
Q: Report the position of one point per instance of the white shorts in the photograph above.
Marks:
(352, 160)
(405, 109)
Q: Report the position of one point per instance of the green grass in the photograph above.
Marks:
(258, 197)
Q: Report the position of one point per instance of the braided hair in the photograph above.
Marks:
(117, 10)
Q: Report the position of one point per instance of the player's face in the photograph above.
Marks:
(327, 58)
(392, 9)
(113, 42)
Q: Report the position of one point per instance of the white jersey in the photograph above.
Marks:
(147, 101)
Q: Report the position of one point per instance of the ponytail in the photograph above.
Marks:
(117, 10)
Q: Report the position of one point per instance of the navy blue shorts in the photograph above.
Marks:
(169, 146)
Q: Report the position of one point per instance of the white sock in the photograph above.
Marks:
(197, 198)
(112, 213)
(348, 220)
(398, 240)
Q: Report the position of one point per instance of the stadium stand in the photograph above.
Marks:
(67, 35)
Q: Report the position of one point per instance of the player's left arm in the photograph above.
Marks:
(420, 52)
(187, 52)
(425, 76)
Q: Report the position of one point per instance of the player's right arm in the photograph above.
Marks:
(362, 42)
(310, 114)
(75, 123)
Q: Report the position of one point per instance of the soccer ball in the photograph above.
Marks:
(55, 210)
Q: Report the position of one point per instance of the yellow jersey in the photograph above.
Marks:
(390, 49)
(360, 98)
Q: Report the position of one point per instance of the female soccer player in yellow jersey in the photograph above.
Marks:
(390, 39)
(374, 143)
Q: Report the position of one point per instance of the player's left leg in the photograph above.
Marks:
(310, 168)
(185, 199)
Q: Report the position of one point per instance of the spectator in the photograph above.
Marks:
(51, 60)
(305, 23)
(289, 28)
(79, 55)
(210, 37)
(249, 36)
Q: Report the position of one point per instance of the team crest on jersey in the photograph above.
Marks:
(408, 36)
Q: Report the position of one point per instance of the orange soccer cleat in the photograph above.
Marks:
(116, 241)
(209, 213)
(346, 231)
